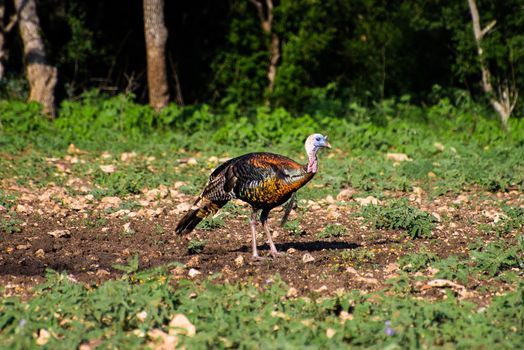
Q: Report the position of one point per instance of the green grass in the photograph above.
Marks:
(243, 316)
(472, 150)
(472, 153)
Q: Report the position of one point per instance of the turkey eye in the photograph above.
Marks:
(318, 138)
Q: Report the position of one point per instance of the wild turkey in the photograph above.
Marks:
(264, 180)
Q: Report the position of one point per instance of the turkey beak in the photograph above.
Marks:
(326, 144)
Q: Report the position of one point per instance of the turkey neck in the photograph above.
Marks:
(312, 165)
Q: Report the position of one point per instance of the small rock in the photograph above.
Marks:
(239, 261)
(23, 246)
(330, 332)
(108, 169)
(43, 337)
(194, 261)
(60, 233)
(345, 316)
(181, 325)
(292, 292)
(306, 258)
(40, 253)
(141, 316)
(330, 199)
(432, 175)
(128, 229)
(419, 192)
(161, 340)
(321, 289)
(178, 271)
(291, 251)
(72, 149)
(20, 208)
(192, 161)
(367, 201)
(193, 273)
(398, 157)
(183, 207)
(315, 207)
(391, 267)
(111, 202)
(102, 273)
(127, 156)
(346, 195)
(440, 147)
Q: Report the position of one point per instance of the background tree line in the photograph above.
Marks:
(296, 54)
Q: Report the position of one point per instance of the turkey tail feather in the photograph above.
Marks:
(194, 216)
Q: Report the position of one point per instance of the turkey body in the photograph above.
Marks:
(264, 180)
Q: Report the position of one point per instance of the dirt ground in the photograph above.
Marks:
(85, 237)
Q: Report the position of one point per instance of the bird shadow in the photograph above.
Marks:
(304, 246)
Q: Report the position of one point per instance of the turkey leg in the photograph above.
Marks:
(263, 220)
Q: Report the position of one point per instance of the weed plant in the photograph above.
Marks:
(196, 246)
(332, 231)
(400, 215)
(245, 316)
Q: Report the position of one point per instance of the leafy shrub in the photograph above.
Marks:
(493, 258)
(357, 256)
(10, 223)
(196, 246)
(414, 262)
(332, 231)
(293, 227)
(399, 215)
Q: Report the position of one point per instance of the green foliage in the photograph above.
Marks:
(196, 246)
(293, 227)
(332, 231)
(473, 151)
(414, 262)
(10, 223)
(513, 220)
(213, 222)
(7, 200)
(400, 215)
(454, 268)
(357, 256)
(493, 258)
(244, 316)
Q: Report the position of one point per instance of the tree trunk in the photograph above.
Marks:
(2, 39)
(156, 37)
(266, 21)
(505, 100)
(41, 76)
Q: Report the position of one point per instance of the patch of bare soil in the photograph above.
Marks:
(85, 237)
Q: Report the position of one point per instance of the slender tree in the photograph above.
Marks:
(156, 37)
(2, 38)
(266, 21)
(42, 77)
(505, 98)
